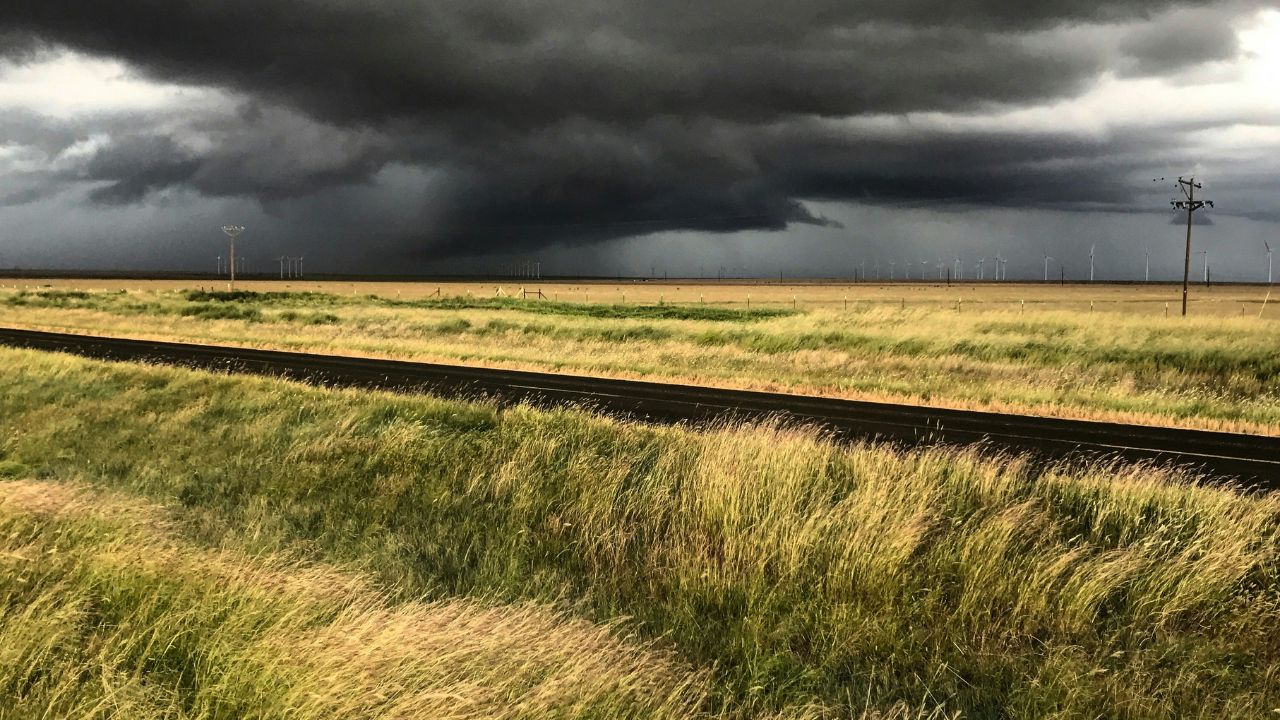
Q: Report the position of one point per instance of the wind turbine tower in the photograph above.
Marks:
(1091, 249)
(1046, 266)
(1268, 245)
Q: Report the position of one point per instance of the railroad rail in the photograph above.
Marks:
(1252, 461)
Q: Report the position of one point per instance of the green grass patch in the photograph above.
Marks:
(295, 299)
(614, 311)
(215, 311)
(804, 576)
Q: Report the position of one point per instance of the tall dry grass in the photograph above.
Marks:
(103, 613)
(803, 575)
(1209, 372)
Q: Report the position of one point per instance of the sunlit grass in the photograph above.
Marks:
(1209, 372)
(103, 613)
(800, 575)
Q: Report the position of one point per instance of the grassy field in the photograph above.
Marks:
(1023, 348)
(187, 544)
(107, 613)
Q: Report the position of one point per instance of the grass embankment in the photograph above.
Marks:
(802, 577)
(1215, 373)
(104, 613)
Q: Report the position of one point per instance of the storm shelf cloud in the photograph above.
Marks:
(398, 131)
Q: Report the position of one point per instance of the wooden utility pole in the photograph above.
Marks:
(232, 231)
(1190, 204)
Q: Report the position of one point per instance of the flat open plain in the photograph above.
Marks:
(1102, 352)
(1145, 299)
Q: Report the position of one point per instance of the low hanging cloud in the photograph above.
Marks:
(554, 122)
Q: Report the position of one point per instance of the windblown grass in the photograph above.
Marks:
(803, 576)
(1208, 372)
(104, 614)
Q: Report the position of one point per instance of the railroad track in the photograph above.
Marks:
(1253, 461)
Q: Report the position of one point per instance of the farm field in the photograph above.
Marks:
(177, 543)
(1019, 348)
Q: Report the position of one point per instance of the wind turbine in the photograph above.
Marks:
(892, 263)
(941, 266)
(997, 265)
(1268, 245)
(300, 265)
(959, 269)
(1146, 253)
(1046, 266)
(281, 260)
(981, 276)
(924, 265)
(1206, 265)
(1091, 249)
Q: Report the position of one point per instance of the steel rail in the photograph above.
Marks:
(1251, 460)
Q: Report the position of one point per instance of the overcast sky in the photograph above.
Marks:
(808, 137)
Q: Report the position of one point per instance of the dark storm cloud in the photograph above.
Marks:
(271, 154)
(1180, 40)
(523, 63)
(558, 121)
